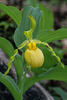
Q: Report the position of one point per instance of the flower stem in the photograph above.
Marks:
(23, 81)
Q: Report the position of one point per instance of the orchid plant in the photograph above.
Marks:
(37, 56)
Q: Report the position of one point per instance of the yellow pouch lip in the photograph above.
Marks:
(34, 58)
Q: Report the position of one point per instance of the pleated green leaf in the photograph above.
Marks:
(13, 12)
(19, 36)
(11, 85)
(7, 47)
(56, 73)
(47, 20)
(50, 36)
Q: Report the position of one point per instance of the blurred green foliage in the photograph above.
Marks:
(50, 2)
(7, 26)
(59, 93)
(57, 2)
(32, 2)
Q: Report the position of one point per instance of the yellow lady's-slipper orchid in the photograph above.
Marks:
(33, 55)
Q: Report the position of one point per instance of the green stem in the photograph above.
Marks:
(23, 81)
